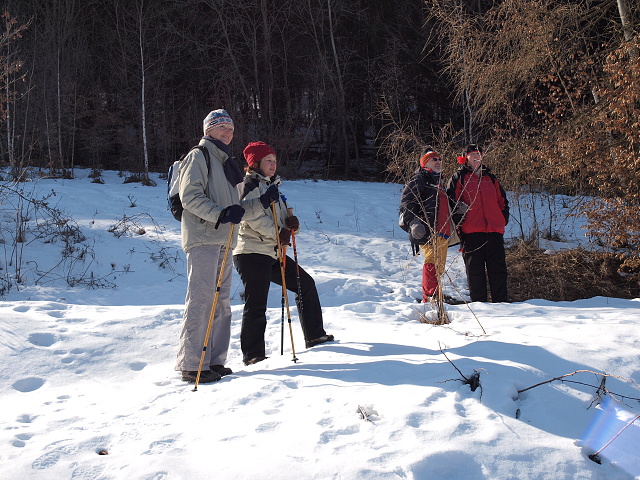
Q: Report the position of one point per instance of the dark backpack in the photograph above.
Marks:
(173, 187)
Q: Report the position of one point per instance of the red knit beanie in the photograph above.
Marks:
(256, 151)
(428, 155)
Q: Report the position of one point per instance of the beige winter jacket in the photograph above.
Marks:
(204, 196)
(257, 233)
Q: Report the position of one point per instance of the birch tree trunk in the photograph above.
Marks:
(142, 93)
(627, 27)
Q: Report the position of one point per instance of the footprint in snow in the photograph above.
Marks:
(52, 457)
(42, 339)
(159, 446)
(267, 427)
(327, 437)
(137, 366)
(25, 418)
(29, 384)
(21, 440)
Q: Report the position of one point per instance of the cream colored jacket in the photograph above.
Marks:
(257, 233)
(204, 194)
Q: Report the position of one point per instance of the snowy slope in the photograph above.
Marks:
(91, 369)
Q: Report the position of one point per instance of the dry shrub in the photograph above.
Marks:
(567, 275)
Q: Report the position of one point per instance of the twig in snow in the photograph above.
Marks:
(600, 390)
(473, 381)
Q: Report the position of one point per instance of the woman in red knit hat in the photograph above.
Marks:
(256, 257)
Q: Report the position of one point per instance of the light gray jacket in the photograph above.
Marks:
(257, 233)
(204, 195)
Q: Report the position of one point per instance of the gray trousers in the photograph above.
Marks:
(203, 265)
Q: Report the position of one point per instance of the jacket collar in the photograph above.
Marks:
(275, 180)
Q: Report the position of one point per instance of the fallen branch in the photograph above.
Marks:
(363, 413)
(473, 381)
(600, 390)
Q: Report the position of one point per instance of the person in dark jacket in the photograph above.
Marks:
(256, 257)
(425, 214)
(481, 211)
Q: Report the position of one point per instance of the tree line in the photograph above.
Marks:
(125, 84)
(341, 89)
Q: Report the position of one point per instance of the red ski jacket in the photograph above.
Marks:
(488, 210)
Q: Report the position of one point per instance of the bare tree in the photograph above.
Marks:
(10, 68)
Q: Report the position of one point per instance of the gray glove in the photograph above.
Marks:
(418, 230)
(461, 207)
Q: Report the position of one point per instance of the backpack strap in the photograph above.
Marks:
(465, 173)
(205, 152)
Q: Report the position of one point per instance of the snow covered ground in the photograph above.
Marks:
(86, 370)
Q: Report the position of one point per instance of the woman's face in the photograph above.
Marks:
(224, 133)
(268, 165)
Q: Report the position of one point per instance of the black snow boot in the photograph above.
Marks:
(319, 340)
(221, 370)
(206, 376)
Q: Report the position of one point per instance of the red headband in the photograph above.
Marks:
(428, 156)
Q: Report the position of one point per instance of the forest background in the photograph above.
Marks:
(343, 89)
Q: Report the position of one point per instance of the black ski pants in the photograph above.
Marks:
(484, 256)
(257, 272)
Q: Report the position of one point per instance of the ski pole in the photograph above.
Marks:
(295, 258)
(284, 290)
(284, 293)
(213, 308)
(284, 283)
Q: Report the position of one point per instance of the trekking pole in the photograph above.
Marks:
(213, 308)
(295, 258)
(284, 283)
(284, 293)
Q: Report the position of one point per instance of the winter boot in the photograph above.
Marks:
(319, 340)
(206, 376)
(221, 370)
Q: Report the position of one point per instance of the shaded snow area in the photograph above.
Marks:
(91, 370)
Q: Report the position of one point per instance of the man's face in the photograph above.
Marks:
(475, 160)
(434, 164)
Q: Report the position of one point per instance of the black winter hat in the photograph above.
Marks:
(473, 147)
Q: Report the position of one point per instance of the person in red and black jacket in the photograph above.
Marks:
(425, 215)
(480, 211)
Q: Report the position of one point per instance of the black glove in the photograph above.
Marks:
(285, 236)
(292, 223)
(231, 214)
(271, 195)
(418, 230)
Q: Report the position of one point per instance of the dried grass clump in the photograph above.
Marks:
(567, 275)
